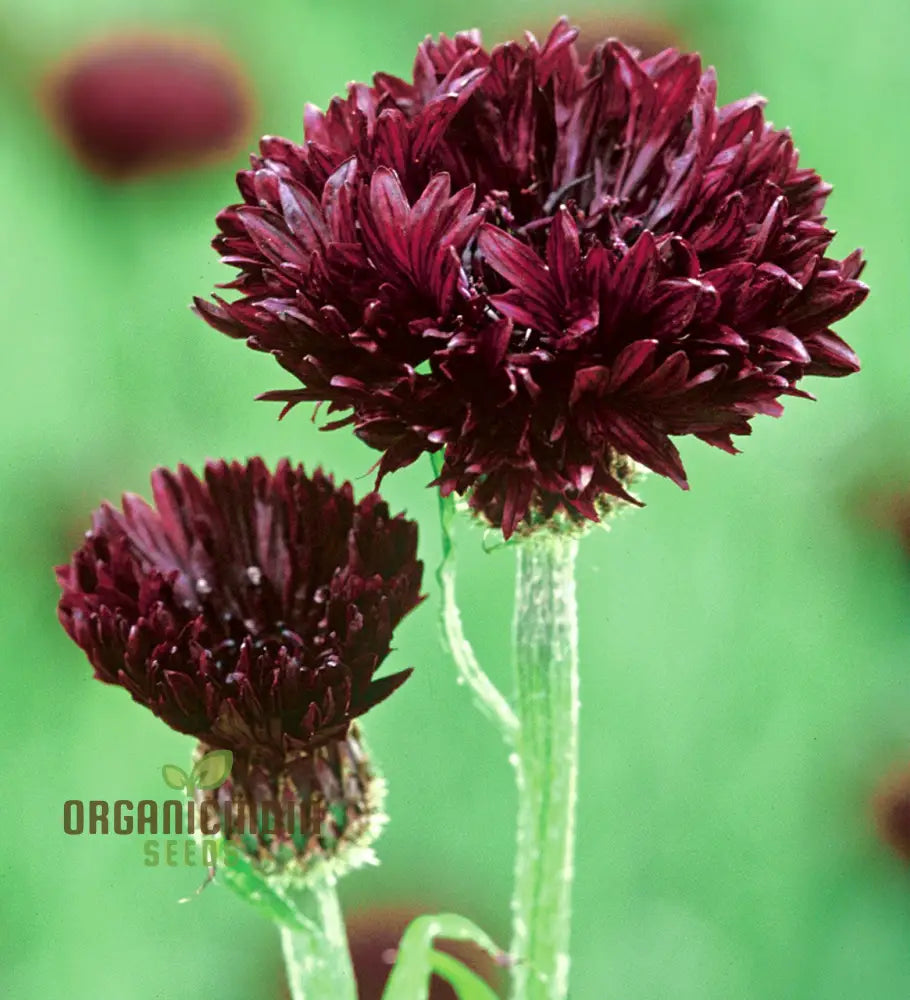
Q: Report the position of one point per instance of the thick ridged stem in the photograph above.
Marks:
(316, 955)
(545, 643)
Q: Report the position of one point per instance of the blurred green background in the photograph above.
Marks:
(744, 646)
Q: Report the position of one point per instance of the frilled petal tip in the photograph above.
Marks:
(544, 264)
(248, 608)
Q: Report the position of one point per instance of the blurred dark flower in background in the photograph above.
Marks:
(891, 809)
(129, 105)
(545, 266)
(888, 510)
(248, 609)
(374, 933)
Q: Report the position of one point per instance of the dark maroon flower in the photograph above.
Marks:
(542, 266)
(248, 609)
(132, 104)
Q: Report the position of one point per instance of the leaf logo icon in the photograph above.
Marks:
(213, 769)
(209, 771)
(174, 777)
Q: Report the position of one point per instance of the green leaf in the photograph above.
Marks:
(175, 777)
(238, 873)
(466, 983)
(417, 960)
(212, 770)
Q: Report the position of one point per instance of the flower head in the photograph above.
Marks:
(544, 267)
(249, 609)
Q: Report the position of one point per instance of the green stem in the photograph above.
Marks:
(486, 696)
(316, 954)
(545, 646)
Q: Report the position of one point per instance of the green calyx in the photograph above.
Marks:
(285, 826)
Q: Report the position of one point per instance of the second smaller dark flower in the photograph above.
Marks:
(247, 609)
(253, 611)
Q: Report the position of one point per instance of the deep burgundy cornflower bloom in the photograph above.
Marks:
(248, 609)
(543, 266)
